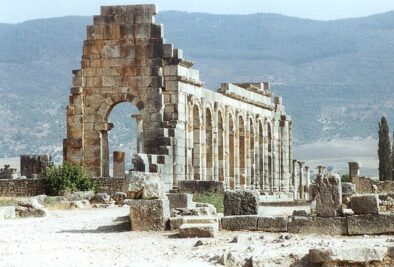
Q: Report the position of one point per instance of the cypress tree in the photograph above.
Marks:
(392, 158)
(384, 151)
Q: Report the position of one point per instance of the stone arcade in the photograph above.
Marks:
(236, 135)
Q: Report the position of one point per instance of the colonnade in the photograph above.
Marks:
(242, 150)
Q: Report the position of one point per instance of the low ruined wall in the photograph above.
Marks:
(364, 185)
(22, 187)
(34, 187)
(110, 185)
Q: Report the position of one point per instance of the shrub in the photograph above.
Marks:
(67, 178)
(345, 178)
(215, 199)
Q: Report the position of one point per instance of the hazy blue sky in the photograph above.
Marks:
(12, 11)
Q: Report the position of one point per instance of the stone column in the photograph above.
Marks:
(119, 164)
(215, 150)
(275, 158)
(290, 152)
(296, 179)
(354, 172)
(307, 181)
(302, 179)
(140, 132)
(104, 154)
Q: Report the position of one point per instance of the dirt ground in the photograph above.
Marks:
(101, 237)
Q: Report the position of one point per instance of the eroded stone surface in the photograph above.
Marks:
(366, 204)
(370, 224)
(239, 223)
(198, 230)
(149, 215)
(328, 195)
(240, 202)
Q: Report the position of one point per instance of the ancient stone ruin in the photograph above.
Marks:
(236, 135)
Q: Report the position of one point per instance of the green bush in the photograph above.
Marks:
(67, 178)
(215, 199)
(345, 178)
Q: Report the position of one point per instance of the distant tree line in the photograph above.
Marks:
(385, 152)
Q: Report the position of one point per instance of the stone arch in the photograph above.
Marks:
(109, 76)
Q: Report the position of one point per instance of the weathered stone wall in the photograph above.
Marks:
(21, 187)
(33, 187)
(364, 185)
(239, 135)
(110, 185)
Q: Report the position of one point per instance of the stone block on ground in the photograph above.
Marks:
(149, 215)
(176, 222)
(143, 185)
(100, 198)
(198, 230)
(240, 202)
(328, 195)
(181, 200)
(24, 212)
(7, 212)
(272, 223)
(300, 213)
(81, 195)
(371, 224)
(346, 256)
(348, 189)
(240, 222)
(365, 204)
(317, 225)
(119, 198)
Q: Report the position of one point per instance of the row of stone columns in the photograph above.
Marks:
(240, 152)
(301, 180)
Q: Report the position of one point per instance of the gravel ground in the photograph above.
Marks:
(100, 237)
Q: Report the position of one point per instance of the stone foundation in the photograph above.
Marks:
(34, 187)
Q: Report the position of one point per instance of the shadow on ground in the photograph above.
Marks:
(121, 224)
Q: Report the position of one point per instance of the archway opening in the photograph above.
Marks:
(196, 153)
(208, 145)
(125, 138)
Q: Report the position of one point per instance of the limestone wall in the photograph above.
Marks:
(33, 187)
(364, 185)
(21, 187)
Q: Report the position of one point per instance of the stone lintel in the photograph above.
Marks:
(242, 94)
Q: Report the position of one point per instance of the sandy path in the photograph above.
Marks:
(100, 237)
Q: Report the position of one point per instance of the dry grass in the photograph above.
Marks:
(53, 204)
(9, 201)
(49, 203)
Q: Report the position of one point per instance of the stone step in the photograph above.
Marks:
(177, 222)
(198, 230)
